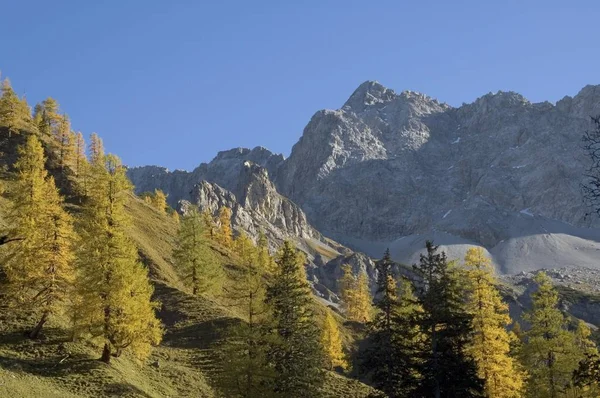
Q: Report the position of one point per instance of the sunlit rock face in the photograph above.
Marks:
(395, 169)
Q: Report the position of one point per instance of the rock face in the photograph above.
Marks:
(392, 170)
(257, 206)
(387, 166)
(223, 170)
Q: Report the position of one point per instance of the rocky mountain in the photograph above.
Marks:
(392, 170)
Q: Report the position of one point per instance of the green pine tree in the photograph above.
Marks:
(446, 326)
(193, 255)
(551, 352)
(296, 353)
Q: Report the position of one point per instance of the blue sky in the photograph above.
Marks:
(173, 82)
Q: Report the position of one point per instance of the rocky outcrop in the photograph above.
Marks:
(257, 207)
(223, 170)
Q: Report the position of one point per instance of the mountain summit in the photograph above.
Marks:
(390, 169)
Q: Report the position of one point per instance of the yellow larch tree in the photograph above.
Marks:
(224, 233)
(65, 143)
(116, 304)
(15, 114)
(159, 201)
(491, 343)
(355, 295)
(264, 259)
(331, 341)
(364, 300)
(39, 264)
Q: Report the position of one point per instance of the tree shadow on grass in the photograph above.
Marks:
(201, 335)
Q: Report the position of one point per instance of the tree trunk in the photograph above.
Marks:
(38, 328)
(106, 354)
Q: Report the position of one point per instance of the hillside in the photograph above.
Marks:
(184, 364)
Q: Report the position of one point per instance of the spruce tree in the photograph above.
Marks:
(246, 371)
(116, 294)
(193, 255)
(551, 353)
(491, 343)
(39, 265)
(390, 358)
(446, 326)
(296, 353)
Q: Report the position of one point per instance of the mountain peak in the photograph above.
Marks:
(368, 94)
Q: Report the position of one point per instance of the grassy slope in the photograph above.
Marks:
(180, 367)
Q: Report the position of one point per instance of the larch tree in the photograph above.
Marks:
(81, 165)
(347, 287)
(355, 295)
(550, 353)
(96, 149)
(65, 144)
(39, 265)
(116, 293)
(15, 114)
(264, 259)
(159, 201)
(491, 343)
(296, 352)
(447, 371)
(331, 340)
(246, 371)
(224, 233)
(193, 255)
(46, 117)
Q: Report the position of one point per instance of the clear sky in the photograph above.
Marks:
(173, 82)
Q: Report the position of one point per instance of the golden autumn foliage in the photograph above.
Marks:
(116, 295)
(224, 234)
(39, 265)
(355, 295)
(332, 343)
(491, 342)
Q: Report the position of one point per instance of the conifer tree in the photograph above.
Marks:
(390, 359)
(65, 144)
(331, 341)
(355, 295)
(550, 354)
(209, 224)
(81, 165)
(193, 255)
(347, 286)
(447, 371)
(159, 201)
(115, 289)
(15, 114)
(224, 234)
(363, 298)
(491, 343)
(96, 149)
(264, 259)
(46, 117)
(246, 371)
(39, 266)
(296, 354)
